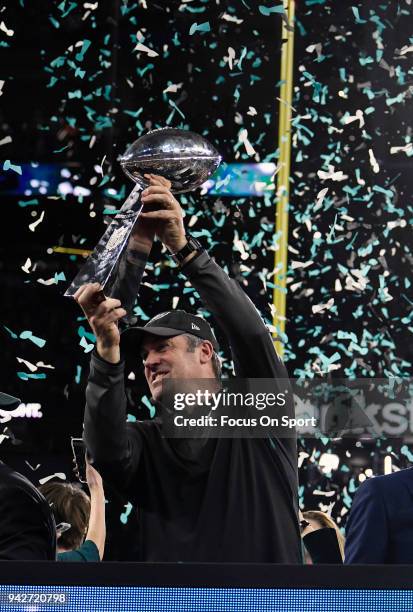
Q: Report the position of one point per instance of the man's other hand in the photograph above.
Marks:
(164, 210)
(103, 315)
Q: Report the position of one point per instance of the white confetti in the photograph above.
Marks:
(231, 18)
(40, 364)
(320, 199)
(326, 493)
(30, 366)
(6, 139)
(33, 225)
(300, 264)
(373, 162)
(231, 57)
(332, 174)
(4, 29)
(56, 475)
(301, 458)
(145, 49)
(239, 246)
(173, 88)
(359, 116)
(406, 49)
(101, 165)
(243, 137)
(26, 267)
(406, 149)
(47, 282)
(320, 307)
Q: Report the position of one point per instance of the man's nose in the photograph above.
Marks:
(151, 360)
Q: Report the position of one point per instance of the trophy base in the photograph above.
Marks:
(101, 265)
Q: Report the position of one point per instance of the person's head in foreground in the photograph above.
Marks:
(321, 520)
(70, 505)
(174, 344)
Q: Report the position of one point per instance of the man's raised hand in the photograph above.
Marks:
(164, 210)
(143, 232)
(103, 315)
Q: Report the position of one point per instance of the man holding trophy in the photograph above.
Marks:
(201, 500)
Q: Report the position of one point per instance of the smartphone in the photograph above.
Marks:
(79, 458)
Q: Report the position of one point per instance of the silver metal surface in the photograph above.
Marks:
(183, 157)
(101, 265)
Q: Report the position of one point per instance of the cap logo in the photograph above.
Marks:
(193, 326)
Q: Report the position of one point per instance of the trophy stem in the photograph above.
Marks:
(101, 265)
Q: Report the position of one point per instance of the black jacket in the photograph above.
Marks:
(380, 526)
(233, 501)
(27, 527)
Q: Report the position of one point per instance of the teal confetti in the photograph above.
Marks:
(24, 203)
(82, 332)
(84, 344)
(267, 11)
(9, 166)
(146, 402)
(202, 27)
(32, 375)
(12, 334)
(85, 46)
(407, 452)
(125, 515)
(28, 335)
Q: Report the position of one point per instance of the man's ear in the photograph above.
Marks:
(206, 351)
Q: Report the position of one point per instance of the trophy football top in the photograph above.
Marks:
(183, 157)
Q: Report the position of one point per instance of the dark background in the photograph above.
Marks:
(77, 112)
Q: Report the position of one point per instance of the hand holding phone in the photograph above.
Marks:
(79, 458)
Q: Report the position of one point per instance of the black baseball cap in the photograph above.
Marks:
(168, 324)
(8, 401)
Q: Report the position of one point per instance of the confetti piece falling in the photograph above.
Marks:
(59, 475)
(9, 166)
(28, 335)
(203, 28)
(144, 49)
(33, 225)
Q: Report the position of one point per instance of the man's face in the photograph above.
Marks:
(169, 358)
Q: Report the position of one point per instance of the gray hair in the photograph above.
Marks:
(193, 342)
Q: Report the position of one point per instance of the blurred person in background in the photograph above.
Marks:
(322, 538)
(380, 525)
(84, 540)
(27, 527)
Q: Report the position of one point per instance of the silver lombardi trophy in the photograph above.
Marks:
(184, 158)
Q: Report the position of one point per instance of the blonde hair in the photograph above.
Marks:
(325, 520)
